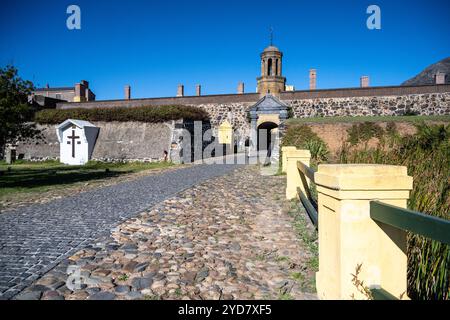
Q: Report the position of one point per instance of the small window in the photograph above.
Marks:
(79, 142)
(68, 142)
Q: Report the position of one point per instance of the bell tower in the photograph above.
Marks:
(271, 80)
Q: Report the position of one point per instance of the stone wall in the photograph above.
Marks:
(393, 100)
(128, 141)
(46, 149)
(132, 141)
(116, 141)
(235, 113)
(140, 141)
(423, 104)
(185, 100)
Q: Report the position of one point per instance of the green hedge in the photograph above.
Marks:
(121, 114)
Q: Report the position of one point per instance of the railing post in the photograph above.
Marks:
(283, 157)
(293, 177)
(348, 237)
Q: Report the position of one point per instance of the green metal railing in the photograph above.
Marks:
(381, 294)
(307, 200)
(435, 228)
(416, 222)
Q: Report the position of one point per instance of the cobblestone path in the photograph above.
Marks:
(227, 238)
(35, 238)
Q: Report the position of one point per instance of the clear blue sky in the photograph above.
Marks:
(154, 45)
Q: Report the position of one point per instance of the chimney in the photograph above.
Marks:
(85, 83)
(364, 81)
(198, 90)
(80, 93)
(440, 78)
(180, 90)
(77, 89)
(240, 88)
(127, 90)
(312, 79)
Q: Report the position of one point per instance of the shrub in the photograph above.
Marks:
(318, 148)
(290, 113)
(122, 114)
(363, 132)
(392, 134)
(302, 137)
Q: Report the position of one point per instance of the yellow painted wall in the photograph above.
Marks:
(275, 118)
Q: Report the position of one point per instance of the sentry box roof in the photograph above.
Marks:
(72, 122)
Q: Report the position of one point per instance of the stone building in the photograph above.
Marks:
(78, 93)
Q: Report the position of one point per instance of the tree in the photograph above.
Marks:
(16, 113)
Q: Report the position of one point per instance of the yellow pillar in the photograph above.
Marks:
(226, 133)
(283, 157)
(293, 177)
(348, 236)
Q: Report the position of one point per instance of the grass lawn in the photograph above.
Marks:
(368, 119)
(27, 177)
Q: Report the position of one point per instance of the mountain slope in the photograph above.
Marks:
(427, 75)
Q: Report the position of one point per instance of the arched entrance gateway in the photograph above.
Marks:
(264, 136)
(267, 120)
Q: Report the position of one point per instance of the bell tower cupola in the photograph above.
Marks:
(271, 80)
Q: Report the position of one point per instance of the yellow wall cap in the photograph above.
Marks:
(297, 153)
(362, 169)
(363, 177)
